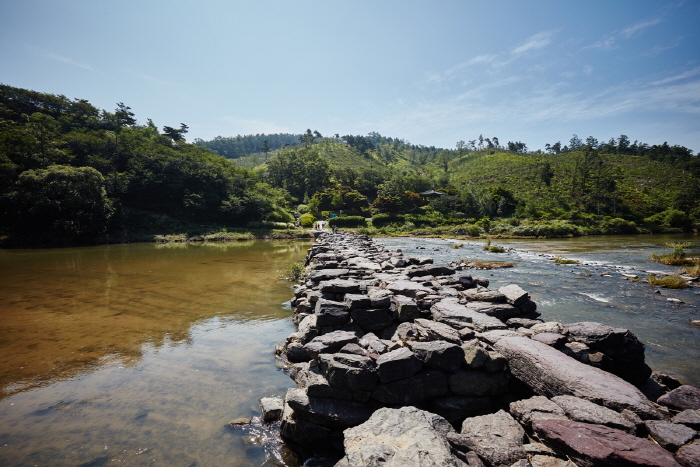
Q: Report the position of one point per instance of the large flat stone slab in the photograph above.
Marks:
(551, 373)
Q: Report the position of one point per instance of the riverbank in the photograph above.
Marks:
(378, 329)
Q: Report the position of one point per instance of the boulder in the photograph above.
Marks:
(474, 356)
(417, 388)
(355, 372)
(549, 327)
(339, 286)
(502, 311)
(380, 298)
(308, 329)
(430, 270)
(398, 364)
(331, 313)
(496, 438)
(669, 435)
(428, 330)
(373, 319)
(308, 376)
(330, 343)
(452, 313)
(689, 418)
(620, 345)
(357, 301)
(407, 288)
(271, 409)
(689, 455)
(597, 445)
(551, 339)
(514, 294)
(327, 274)
(398, 438)
(681, 398)
(581, 410)
(550, 373)
(404, 308)
(326, 412)
(536, 408)
(303, 432)
(440, 355)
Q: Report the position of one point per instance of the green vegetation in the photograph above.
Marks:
(78, 174)
(493, 248)
(676, 258)
(558, 259)
(475, 264)
(673, 281)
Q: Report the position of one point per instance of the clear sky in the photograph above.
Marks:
(430, 72)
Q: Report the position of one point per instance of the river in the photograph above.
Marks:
(141, 354)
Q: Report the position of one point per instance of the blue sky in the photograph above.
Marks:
(430, 72)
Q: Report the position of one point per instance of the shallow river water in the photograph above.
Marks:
(141, 354)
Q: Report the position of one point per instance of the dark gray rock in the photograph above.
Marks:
(330, 343)
(553, 327)
(308, 329)
(496, 362)
(597, 445)
(452, 313)
(501, 311)
(398, 364)
(522, 322)
(666, 380)
(408, 288)
(430, 270)
(357, 301)
(380, 298)
(417, 388)
(355, 372)
(302, 432)
(536, 408)
(399, 438)
(296, 353)
(670, 436)
(496, 438)
(373, 319)
(440, 355)
(550, 373)
(271, 409)
(689, 455)
(327, 274)
(404, 308)
(620, 345)
(339, 286)
(331, 313)
(326, 412)
(514, 294)
(353, 349)
(484, 296)
(581, 410)
(689, 418)
(404, 332)
(681, 398)
(478, 383)
(428, 330)
(310, 378)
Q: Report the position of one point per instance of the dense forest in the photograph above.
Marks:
(72, 173)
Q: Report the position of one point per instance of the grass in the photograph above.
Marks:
(559, 259)
(673, 281)
(693, 269)
(676, 258)
(296, 272)
(493, 248)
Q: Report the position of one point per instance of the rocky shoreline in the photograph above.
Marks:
(399, 361)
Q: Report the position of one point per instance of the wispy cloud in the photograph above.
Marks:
(686, 74)
(610, 40)
(69, 61)
(535, 42)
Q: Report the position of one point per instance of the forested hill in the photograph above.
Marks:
(73, 173)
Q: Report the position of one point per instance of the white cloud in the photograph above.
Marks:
(610, 41)
(684, 75)
(634, 29)
(538, 41)
(69, 61)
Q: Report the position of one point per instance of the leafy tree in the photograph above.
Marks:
(176, 134)
(60, 204)
(299, 171)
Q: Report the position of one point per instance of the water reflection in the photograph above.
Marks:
(68, 310)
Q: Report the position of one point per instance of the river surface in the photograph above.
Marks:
(571, 293)
(141, 354)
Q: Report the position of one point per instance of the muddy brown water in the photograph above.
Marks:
(141, 354)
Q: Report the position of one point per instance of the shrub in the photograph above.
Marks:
(674, 281)
(347, 221)
(382, 220)
(307, 220)
(616, 225)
